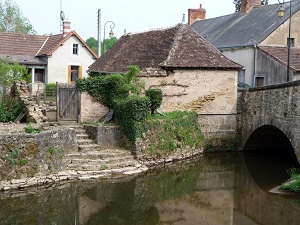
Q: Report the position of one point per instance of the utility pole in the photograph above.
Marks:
(99, 32)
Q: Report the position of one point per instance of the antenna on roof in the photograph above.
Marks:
(62, 17)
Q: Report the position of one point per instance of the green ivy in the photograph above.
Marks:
(106, 89)
(155, 96)
(130, 112)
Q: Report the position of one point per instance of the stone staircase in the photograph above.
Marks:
(93, 157)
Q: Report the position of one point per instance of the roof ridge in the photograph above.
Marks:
(42, 46)
(180, 25)
(153, 29)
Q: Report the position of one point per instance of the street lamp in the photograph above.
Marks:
(111, 33)
(280, 13)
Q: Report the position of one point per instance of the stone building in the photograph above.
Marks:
(192, 74)
(252, 37)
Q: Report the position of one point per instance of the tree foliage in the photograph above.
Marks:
(93, 44)
(239, 2)
(12, 19)
(11, 72)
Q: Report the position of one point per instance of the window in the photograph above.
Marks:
(39, 75)
(75, 49)
(75, 72)
(292, 42)
(259, 81)
(241, 76)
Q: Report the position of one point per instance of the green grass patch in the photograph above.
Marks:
(293, 184)
(171, 132)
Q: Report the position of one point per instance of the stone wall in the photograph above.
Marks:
(42, 153)
(211, 93)
(275, 106)
(90, 110)
(105, 136)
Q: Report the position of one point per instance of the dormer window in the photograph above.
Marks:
(75, 49)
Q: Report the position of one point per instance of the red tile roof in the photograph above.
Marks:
(280, 54)
(176, 47)
(15, 44)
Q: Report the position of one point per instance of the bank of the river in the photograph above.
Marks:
(46, 151)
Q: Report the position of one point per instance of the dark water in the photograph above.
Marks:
(217, 189)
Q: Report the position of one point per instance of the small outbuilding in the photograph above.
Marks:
(192, 74)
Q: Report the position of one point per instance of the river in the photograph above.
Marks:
(215, 189)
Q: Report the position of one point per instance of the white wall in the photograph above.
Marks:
(63, 57)
(244, 57)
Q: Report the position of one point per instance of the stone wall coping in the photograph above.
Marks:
(274, 86)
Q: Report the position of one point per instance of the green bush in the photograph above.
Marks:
(106, 89)
(155, 96)
(10, 110)
(130, 112)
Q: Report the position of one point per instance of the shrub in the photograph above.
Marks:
(9, 110)
(130, 113)
(155, 96)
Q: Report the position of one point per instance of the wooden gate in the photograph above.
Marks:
(67, 103)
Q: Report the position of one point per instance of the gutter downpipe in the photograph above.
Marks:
(254, 66)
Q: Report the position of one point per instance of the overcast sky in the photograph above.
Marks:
(132, 15)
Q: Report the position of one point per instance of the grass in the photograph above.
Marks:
(31, 129)
(171, 132)
(293, 184)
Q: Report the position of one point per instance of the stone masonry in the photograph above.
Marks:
(275, 106)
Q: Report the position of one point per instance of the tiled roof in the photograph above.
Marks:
(243, 29)
(280, 54)
(16, 45)
(20, 44)
(176, 47)
(25, 59)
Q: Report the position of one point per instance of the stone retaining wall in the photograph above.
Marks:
(35, 154)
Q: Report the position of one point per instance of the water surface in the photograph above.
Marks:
(217, 189)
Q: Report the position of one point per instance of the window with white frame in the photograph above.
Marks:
(75, 49)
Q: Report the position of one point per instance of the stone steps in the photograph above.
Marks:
(93, 157)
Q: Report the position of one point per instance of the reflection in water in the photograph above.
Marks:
(213, 190)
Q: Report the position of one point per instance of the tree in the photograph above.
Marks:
(238, 4)
(10, 72)
(93, 43)
(12, 19)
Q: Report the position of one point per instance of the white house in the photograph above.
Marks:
(59, 58)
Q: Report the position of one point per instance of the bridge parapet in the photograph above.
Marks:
(274, 105)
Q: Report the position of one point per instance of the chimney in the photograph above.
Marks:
(246, 5)
(66, 27)
(196, 14)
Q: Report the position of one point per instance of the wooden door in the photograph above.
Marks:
(67, 103)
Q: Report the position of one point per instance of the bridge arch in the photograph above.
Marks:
(272, 115)
(268, 137)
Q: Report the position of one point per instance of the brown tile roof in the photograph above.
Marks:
(15, 44)
(20, 44)
(176, 47)
(280, 54)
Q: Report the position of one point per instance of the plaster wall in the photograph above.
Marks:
(279, 36)
(63, 57)
(244, 57)
(90, 110)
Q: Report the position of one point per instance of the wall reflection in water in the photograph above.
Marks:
(214, 190)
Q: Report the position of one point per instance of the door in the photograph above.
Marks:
(67, 103)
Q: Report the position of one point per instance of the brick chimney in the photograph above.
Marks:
(66, 27)
(196, 14)
(246, 5)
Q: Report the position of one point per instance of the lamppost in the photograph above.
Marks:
(280, 13)
(111, 33)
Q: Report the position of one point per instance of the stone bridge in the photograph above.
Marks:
(269, 118)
